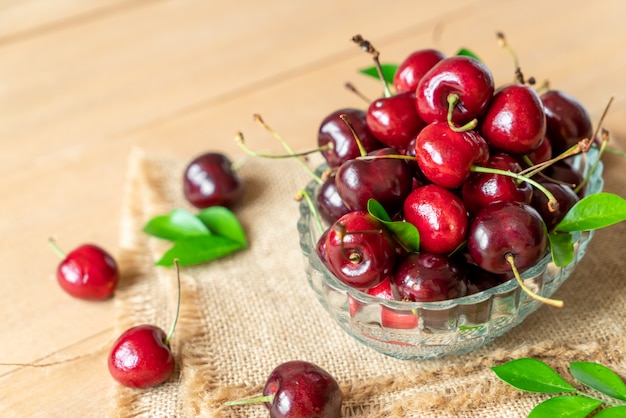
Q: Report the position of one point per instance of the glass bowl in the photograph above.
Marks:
(426, 330)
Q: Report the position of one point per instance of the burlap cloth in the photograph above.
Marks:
(243, 315)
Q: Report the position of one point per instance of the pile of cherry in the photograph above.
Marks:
(483, 173)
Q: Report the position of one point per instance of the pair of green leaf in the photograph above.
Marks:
(592, 212)
(533, 375)
(212, 233)
(389, 70)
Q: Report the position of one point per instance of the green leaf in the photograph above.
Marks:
(565, 407)
(199, 249)
(389, 71)
(562, 248)
(595, 211)
(179, 223)
(532, 375)
(615, 412)
(467, 53)
(600, 378)
(406, 233)
(222, 221)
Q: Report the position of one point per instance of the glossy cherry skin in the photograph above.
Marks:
(139, 357)
(88, 272)
(563, 194)
(426, 277)
(302, 389)
(333, 130)
(209, 180)
(394, 120)
(440, 217)
(514, 121)
(482, 189)
(412, 69)
(359, 250)
(463, 76)
(446, 157)
(387, 180)
(328, 201)
(567, 120)
(503, 228)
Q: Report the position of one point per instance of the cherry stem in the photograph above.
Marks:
(359, 144)
(289, 150)
(354, 90)
(603, 144)
(366, 46)
(519, 77)
(387, 156)
(56, 248)
(303, 194)
(573, 150)
(453, 100)
(260, 399)
(552, 302)
(171, 332)
(553, 204)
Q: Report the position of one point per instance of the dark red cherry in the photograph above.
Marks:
(387, 180)
(440, 217)
(333, 130)
(514, 121)
(446, 156)
(482, 189)
(412, 69)
(567, 120)
(359, 250)
(507, 228)
(426, 277)
(563, 194)
(302, 389)
(563, 171)
(394, 120)
(209, 180)
(328, 202)
(140, 358)
(467, 78)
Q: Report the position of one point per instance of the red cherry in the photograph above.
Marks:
(394, 120)
(333, 130)
(298, 389)
(426, 277)
(387, 180)
(466, 78)
(445, 156)
(209, 180)
(413, 68)
(87, 272)
(482, 189)
(514, 121)
(440, 217)
(140, 357)
(504, 229)
(567, 120)
(359, 250)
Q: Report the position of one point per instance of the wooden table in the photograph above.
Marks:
(84, 82)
